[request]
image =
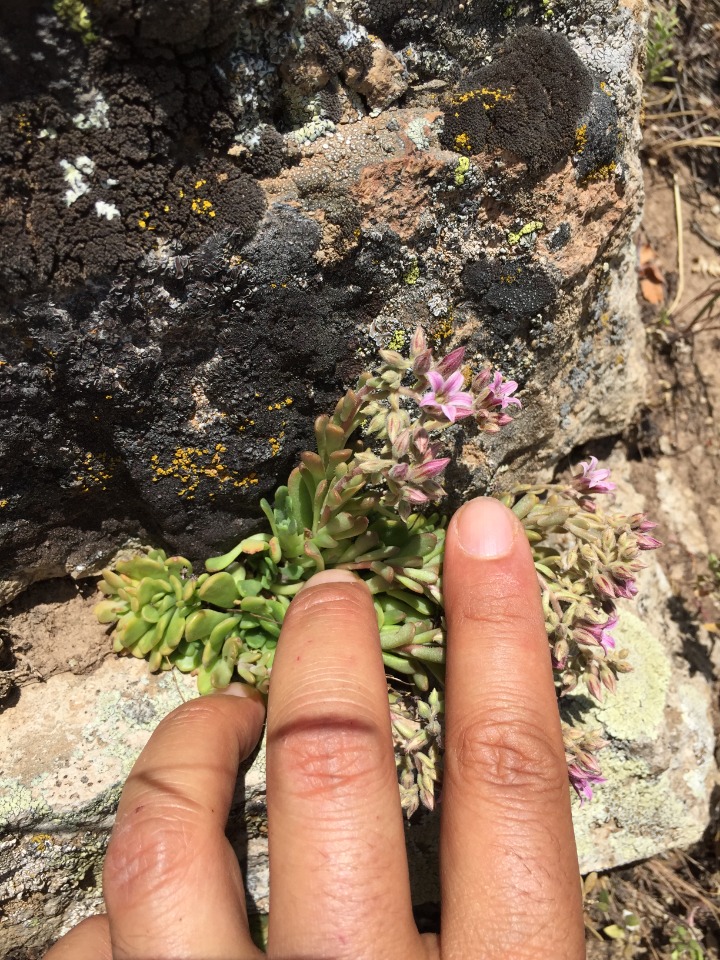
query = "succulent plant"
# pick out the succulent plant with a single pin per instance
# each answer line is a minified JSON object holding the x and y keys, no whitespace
{"x":363,"y":501}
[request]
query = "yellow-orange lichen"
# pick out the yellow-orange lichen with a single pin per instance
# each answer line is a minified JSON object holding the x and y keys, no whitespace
{"x":191,"y":465}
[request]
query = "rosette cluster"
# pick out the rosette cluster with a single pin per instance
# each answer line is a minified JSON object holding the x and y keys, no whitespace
{"x":362,"y":501}
{"x":586,"y":559}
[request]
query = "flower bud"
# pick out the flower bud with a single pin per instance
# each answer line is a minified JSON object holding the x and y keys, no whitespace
{"x":452,"y":362}
{"x":422,"y":363}
{"x":418,"y":344}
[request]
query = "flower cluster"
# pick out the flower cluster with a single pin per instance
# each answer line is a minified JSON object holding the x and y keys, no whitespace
{"x":362,"y":501}
{"x":411,"y":398}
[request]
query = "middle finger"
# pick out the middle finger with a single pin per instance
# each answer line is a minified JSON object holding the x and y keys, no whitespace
{"x":338,"y":868}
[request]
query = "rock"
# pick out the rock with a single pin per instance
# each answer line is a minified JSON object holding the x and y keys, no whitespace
{"x":383,"y":83}
{"x":204,"y":235}
{"x":659,"y":763}
{"x":228,"y":233}
{"x":67,"y":747}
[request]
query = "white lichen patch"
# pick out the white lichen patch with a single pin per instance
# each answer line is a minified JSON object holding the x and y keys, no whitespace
{"x":205,"y":414}
{"x":95,"y":115}
{"x":312,"y":131}
{"x":354,"y":35}
{"x":74,"y":175}
{"x":107,"y":210}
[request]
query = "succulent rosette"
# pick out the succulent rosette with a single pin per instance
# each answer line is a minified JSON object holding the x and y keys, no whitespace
{"x":364,"y":501}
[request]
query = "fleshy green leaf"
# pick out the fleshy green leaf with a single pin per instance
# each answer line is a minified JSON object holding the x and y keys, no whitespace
{"x":220,"y":590}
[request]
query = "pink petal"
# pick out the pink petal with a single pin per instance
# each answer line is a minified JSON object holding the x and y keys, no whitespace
{"x":436,"y":379}
{"x":431,"y":469}
{"x":454,"y":382}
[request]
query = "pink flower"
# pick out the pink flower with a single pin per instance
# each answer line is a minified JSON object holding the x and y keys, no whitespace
{"x":592,"y":480}
{"x":615,"y":586}
{"x":446,"y":396}
{"x":640,"y":525}
{"x":627,"y":589}
{"x":500,"y":391}
{"x":582,"y":781}
{"x":601,"y":632}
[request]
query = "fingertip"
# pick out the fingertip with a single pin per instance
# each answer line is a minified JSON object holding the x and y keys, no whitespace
{"x":330,"y":576}
{"x":484,"y":529}
{"x":89,"y":940}
{"x":243,"y":691}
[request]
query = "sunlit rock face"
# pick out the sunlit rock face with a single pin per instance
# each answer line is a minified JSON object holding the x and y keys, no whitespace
{"x":211,"y":212}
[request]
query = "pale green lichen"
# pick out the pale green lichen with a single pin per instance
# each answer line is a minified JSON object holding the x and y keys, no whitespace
{"x":638,"y":713}
{"x":531,"y":227}
{"x":398,"y":340}
{"x":416,"y":131}
{"x":413,"y":274}
{"x":462,"y":167}
{"x":74,"y":14}
{"x":643,"y":816}
{"x":19,"y":805}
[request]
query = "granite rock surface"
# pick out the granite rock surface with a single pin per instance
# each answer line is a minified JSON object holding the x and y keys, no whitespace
{"x":211,"y":214}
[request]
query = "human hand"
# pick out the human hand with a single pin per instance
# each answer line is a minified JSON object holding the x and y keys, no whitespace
{"x":338,"y":870}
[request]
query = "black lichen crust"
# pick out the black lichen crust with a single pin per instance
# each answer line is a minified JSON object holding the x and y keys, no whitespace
{"x":107,"y":394}
{"x":85,"y":200}
{"x":513,"y":290}
{"x":321,"y":54}
{"x":183,"y":24}
{"x":559,"y":237}
{"x":597,"y":138}
{"x":528,"y":101}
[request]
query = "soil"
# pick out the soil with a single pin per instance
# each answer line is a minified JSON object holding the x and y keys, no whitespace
{"x":49,"y":629}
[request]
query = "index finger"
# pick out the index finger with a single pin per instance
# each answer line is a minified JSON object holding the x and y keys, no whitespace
{"x":509,"y":870}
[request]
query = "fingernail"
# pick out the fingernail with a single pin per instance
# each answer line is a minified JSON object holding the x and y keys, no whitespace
{"x":244,"y":690}
{"x":330,"y":576}
{"x":485,"y":528}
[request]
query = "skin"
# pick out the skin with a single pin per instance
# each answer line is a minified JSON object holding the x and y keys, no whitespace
{"x":338,"y":871}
